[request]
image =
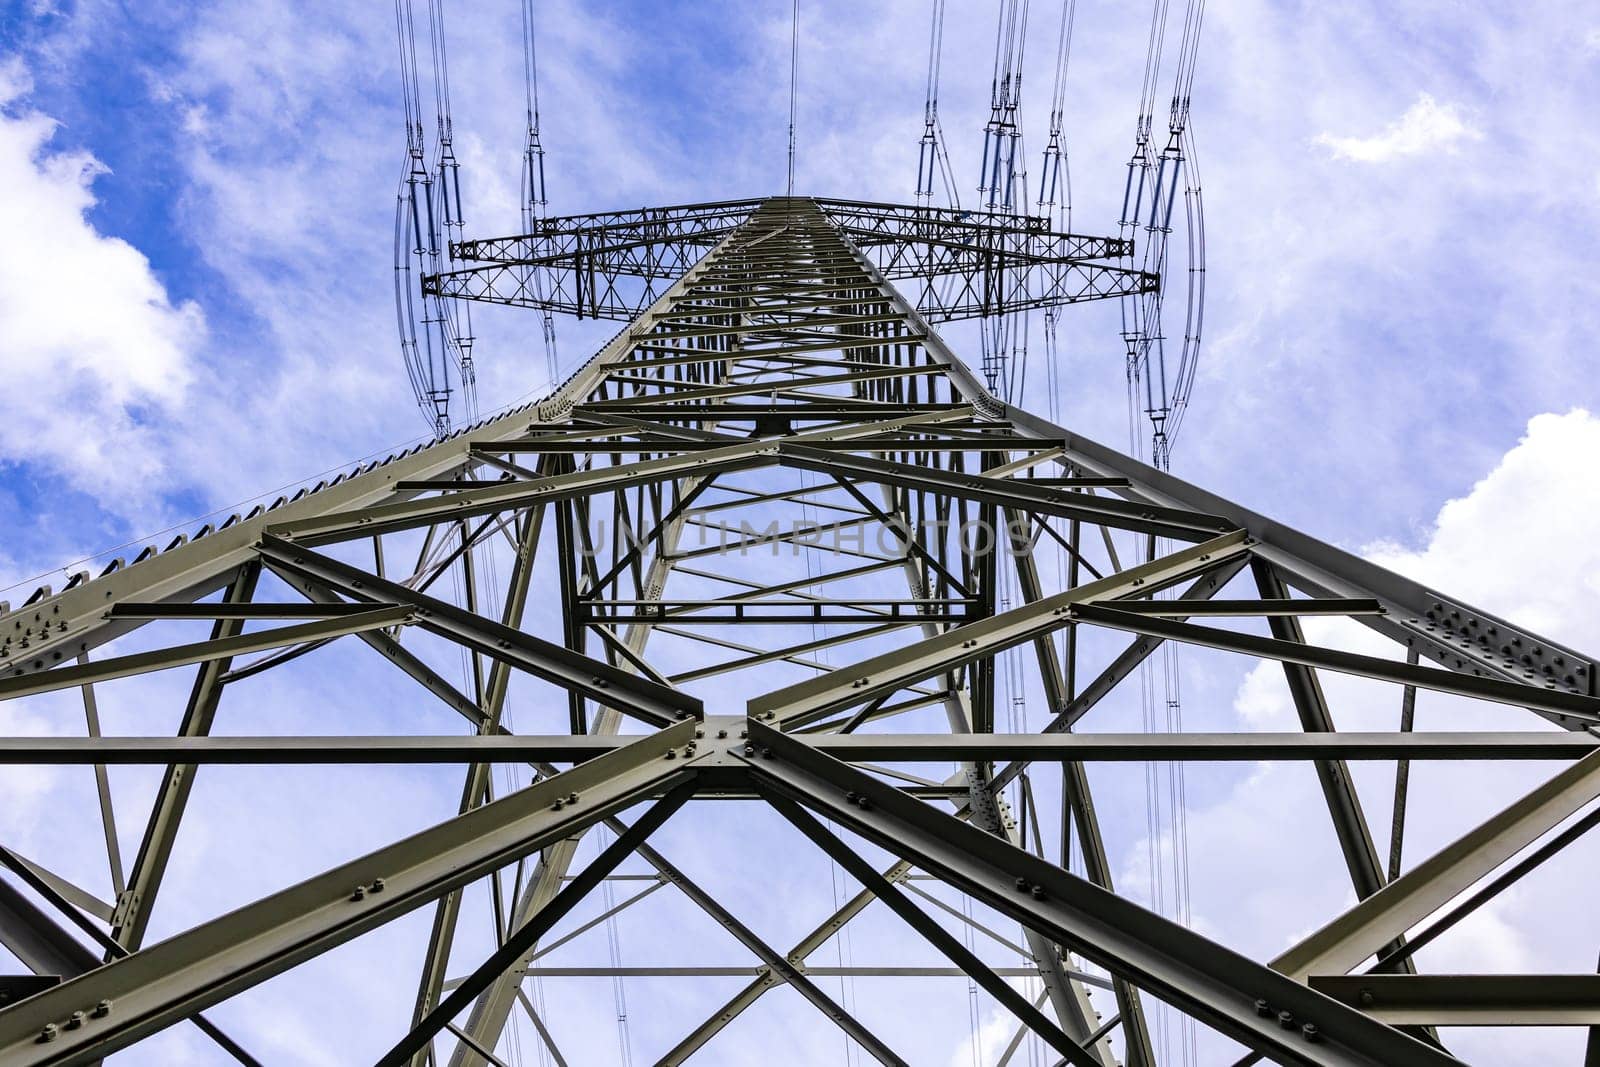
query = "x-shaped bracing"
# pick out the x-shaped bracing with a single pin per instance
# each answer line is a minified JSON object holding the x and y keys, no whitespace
{"x":111,"y":1006}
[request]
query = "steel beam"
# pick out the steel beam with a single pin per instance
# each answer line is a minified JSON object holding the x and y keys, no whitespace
{"x":1182,"y":525}
{"x":162,"y":983}
{"x":222,"y":648}
{"x":161,"y":830}
{"x":1077,"y":797}
{"x":493,"y":1008}
{"x":774,"y":961}
{"x":1338,"y":790}
{"x":931,"y":931}
{"x":1575,"y":706}
{"x":1201,"y":747}
{"x":808,"y":701}
{"x":766,"y":978}
{"x":500,"y":496}
{"x":1214,"y":984}
{"x":526,"y":936}
{"x":1469,"y":999}
{"x":476,"y":789}
{"x":653,"y":703}
{"x":1428,"y":886}
{"x":854,"y":748}
{"x":1067,"y":997}
{"x":38,"y":941}
{"x":813,"y":971}
{"x":289,"y":750}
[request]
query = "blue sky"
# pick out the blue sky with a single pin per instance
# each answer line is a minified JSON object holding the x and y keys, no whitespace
{"x":1399,"y":310}
{"x":1404,"y":216}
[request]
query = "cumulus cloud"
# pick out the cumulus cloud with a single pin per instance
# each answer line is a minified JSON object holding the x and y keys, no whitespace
{"x":1426,"y":126}
{"x":1520,"y":545}
{"x":95,"y":347}
{"x":23,"y":790}
{"x":1541,"y":500}
{"x":988,"y":1042}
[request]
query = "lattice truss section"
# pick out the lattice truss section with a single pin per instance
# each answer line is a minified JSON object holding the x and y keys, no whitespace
{"x":615,"y":265}
{"x":730,"y":573}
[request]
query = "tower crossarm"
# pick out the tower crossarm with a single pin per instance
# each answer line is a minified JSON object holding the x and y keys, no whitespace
{"x":976,"y":263}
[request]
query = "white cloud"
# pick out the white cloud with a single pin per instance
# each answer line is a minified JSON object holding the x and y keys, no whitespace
{"x":1533,"y":515}
{"x":1261,"y":702}
{"x":1519,"y":545}
{"x":1427,"y":125}
{"x":23,"y":790}
{"x":94,"y":345}
{"x":992,"y":1036}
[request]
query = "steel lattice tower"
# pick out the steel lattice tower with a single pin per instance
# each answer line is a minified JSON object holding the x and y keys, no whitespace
{"x":772,"y":384}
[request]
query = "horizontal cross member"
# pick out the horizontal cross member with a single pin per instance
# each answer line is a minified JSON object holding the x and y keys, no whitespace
{"x":791,"y":612}
{"x":1252,"y":608}
{"x":243,"y":610}
{"x":1469,"y":999}
{"x":609,"y":266}
{"x":750,"y":971}
{"x":893,"y":748}
{"x":1202,"y":747}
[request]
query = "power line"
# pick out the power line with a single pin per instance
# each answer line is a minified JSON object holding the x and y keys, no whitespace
{"x":535,"y":197}
{"x":794,"y":76}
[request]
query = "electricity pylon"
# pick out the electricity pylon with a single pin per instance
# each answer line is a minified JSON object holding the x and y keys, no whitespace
{"x":843,"y":627}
